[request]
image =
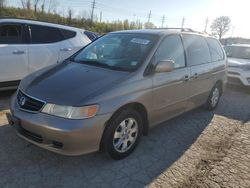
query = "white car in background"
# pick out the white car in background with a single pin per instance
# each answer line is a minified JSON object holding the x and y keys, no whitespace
{"x":238,"y":64}
{"x":27,"y":46}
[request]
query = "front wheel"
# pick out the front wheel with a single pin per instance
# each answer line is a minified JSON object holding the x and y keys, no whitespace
{"x":123,"y":134}
{"x":214,"y":97}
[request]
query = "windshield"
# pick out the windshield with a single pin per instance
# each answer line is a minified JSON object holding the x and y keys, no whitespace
{"x":240,"y":52}
{"x":124,"y":52}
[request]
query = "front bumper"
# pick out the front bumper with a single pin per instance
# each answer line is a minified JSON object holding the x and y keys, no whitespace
{"x":63,"y":136}
{"x":238,"y":76}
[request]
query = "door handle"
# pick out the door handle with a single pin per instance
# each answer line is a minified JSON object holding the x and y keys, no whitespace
{"x":65,"y":49}
{"x":18,"y":52}
{"x":186,"y":78}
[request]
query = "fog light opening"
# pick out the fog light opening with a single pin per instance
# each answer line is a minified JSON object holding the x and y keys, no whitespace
{"x":57,"y":145}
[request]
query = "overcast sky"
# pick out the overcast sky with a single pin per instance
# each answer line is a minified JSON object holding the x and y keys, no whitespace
{"x":195,"y":12}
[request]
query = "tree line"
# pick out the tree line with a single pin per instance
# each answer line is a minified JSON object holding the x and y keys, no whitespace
{"x":45,"y":10}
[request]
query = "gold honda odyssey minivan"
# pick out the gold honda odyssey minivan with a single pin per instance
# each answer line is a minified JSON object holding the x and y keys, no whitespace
{"x":112,"y":91}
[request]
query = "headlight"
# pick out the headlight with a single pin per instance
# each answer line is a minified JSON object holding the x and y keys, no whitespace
{"x":71,"y":112}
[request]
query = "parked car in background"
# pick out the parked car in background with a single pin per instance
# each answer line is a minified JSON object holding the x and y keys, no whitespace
{"x":91,"y":35}
{"x":112,"y":91}
{"x":27,"y":46}
{"x":238,"y":64}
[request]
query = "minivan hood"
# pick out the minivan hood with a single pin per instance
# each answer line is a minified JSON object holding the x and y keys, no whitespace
{"x":237,"y":61}
{"x":70,"y":83}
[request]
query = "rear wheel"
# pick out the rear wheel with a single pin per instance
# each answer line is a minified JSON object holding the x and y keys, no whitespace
{"x":123,"y":134}
{"x":214,"y":97}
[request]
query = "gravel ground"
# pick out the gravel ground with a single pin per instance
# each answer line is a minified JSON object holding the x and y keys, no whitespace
{"x":197,"y":149}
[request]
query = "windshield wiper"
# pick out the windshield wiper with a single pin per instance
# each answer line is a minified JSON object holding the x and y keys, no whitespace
{"x":103,"y":65}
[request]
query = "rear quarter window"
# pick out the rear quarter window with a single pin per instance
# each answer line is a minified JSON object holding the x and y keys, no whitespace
{"x":45,"y":34}
{"x":215,"y":48}
{"x":68,"y":34}
{"x":197,"y":50}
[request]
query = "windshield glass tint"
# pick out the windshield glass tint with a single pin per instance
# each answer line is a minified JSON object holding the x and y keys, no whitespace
{"x":117,"y":51}
{"x":240,"y":52}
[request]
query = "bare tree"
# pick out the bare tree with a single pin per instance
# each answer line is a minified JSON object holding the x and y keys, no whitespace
{"x":52,"y":5}
{"x":2,"y":3}
{"x":149,"y":25}
{"x":26,"y":4}
{"x":35,"y":3}
{"x":43,"y":6}
{"x":69,"y":16}
{"x":221,"y":26}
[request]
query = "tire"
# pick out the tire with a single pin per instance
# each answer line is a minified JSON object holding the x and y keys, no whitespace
{"x":214,"y":97}
{"x":124,"y":129}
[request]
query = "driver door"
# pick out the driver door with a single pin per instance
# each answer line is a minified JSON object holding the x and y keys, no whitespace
{"x":170,"y":88}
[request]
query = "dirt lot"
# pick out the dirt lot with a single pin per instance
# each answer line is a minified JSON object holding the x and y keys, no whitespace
{"x":197,"y":149}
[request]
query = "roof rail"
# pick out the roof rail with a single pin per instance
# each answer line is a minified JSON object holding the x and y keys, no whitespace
{"x":184,"y":30}
{"x":30,"y":19}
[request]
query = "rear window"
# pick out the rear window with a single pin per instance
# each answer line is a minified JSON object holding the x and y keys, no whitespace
{"x":44,"y":34}
{"x":197,"y":50}
{"x":10,"y":34}
{"x":215,"y":49}
{"x":68,"y":34}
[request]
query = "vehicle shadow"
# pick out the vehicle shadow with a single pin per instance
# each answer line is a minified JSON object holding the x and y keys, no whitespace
{"x":166,"y":143}
{"x":23,"y":164}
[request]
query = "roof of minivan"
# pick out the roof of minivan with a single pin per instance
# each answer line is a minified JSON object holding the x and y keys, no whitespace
{"x":43,"y":23}
{"x":161,"y":32}
{"x":239,"y":45}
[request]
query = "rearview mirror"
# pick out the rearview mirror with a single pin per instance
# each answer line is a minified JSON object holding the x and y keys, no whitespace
{"x":164,"y":66}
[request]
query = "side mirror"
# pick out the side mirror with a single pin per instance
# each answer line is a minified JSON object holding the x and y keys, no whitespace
{"x":164,"y":66}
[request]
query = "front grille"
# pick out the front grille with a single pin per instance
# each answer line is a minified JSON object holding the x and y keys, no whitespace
{"x":30,"y":135}
{"x":29,"y":103}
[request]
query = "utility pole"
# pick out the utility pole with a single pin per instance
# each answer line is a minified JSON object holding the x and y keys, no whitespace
{"x":149,"y":16}
{"x":134,"y":17}
{"x":183,"y":22}
{"x":206,"y":24}
{"x":162,"y":21}
{"x":100,"y":16}
{"x":93,"y":6}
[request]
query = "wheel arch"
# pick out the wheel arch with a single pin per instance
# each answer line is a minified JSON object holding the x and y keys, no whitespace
{"x":220,"y":83}
{"x":140,"y":108}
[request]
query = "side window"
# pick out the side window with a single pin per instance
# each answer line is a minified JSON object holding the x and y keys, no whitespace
{"x":171,"y":48}
{"x":68,"y":34}
{"x":197,"y":50}
{"x":215,"y":49}
{"x":44,"y":34}
{"x":10,"y":34}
